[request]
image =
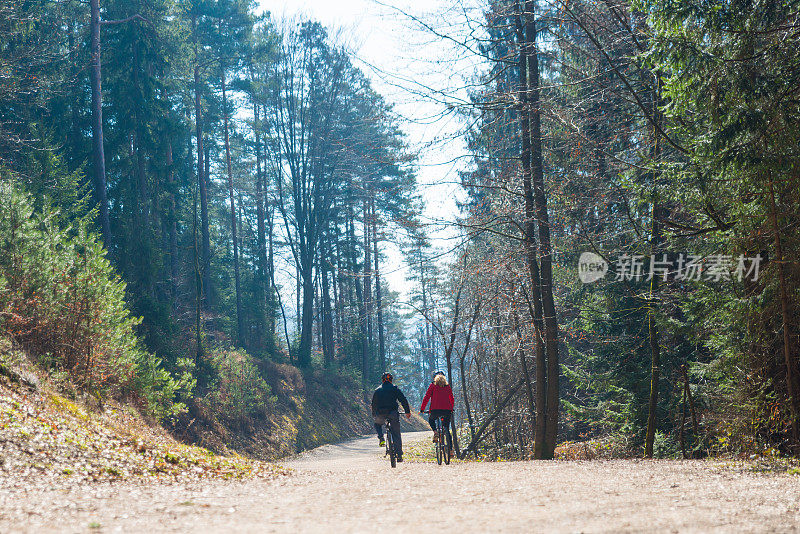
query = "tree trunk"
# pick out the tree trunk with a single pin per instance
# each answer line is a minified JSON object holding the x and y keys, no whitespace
{"x":202,"y":178}
{"x":652,"y":327}
{"x":198,"y":358}
{"x":262,"y":279}
{"x":378,"y":296}
{"x":143,"y":196}
{"x":318,"y":302}
{"x":173,"y":226}
{"x":467,"y":340}
{"x":271,"y":273}
{"x":307,"y":317}
{"x":327,"y":319}
{"x":362,"y":312}
{"x":239,"y":317}
{"x":448,"y":361}
{"x":681,"y":439}
{"x":98,"y":152}
{"x":525,"y":375}
{"x":462,"y":375}
{"x":655,"y":349}
{"x":299,"y":295}
{"x":687,"y":395}
{"x":427,"y":350}
{"x":338,"y":295}
{"x":277,"y":295}
{"x":785,"y":314}
{"x":543,"y":224}
{"x":527,"y":63}
{"x":75,"y":90}
{"x":368,"y":285}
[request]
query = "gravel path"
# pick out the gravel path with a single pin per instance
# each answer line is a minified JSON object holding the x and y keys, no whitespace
{"x":351,"y":488}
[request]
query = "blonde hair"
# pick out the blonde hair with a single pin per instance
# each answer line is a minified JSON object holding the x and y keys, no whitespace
{"x":440,"y":381}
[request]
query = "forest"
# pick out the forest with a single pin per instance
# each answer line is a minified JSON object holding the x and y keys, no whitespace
{"x":196,"y":192}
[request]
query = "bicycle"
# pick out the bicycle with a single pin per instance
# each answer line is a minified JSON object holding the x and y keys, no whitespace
{"x":387,"y":431}
{"x":442,"y":449}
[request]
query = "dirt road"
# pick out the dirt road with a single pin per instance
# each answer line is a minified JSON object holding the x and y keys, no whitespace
{"x":350,"y":488}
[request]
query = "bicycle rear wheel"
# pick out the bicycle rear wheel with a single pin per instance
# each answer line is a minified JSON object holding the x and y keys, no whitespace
{"x":439,"y":442}
{"x":446,"y":452}
{"x":390,"y":448}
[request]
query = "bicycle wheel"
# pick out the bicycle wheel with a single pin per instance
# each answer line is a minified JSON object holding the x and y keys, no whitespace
{"x":439,"y":442}
{"x":446,"y":452}
{"x":390,"y":448}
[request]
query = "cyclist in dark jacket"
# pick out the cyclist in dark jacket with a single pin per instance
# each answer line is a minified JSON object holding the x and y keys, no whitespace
{"x":384,"y":406}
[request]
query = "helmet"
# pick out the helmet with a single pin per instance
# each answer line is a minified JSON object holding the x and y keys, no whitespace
{"x":437,"y":373}
{"x":387,"y":377}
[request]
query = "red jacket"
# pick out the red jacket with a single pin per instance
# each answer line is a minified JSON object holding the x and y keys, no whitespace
{"x":441,"y":398}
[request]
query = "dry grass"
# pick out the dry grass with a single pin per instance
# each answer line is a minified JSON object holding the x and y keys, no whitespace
{"x":43,"y":434}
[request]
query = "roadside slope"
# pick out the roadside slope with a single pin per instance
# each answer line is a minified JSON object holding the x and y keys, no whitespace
{"x":45,"y":436}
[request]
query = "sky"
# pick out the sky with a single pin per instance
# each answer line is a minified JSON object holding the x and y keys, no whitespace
{"x":403,"y":60}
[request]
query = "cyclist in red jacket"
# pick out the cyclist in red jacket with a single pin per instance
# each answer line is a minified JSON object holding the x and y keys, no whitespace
{"x":441,"y":396}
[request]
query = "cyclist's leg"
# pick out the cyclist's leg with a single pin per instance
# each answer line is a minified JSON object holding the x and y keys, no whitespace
{"x":379,"y":426}
{"x":432,"y":423}
{"x":396,"y":437}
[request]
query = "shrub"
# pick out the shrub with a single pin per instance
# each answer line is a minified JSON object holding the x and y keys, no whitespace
{"x":665,"y":446}
{"x":238,"y":392}
{"x":61,"y":301}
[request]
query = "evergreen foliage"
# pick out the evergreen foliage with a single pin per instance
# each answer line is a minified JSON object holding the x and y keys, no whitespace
{"x":62,"y":302}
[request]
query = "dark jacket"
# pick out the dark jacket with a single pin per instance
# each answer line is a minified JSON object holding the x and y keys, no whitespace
{"x":385,"y":399}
